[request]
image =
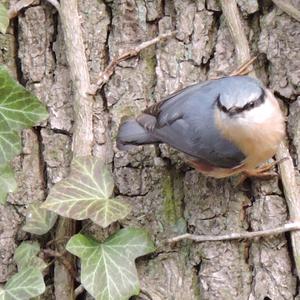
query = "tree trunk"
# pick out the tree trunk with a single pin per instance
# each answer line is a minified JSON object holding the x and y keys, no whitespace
{"x":168,"y":197}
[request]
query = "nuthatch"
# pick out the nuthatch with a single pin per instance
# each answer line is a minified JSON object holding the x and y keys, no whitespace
{"x":226,"y":126}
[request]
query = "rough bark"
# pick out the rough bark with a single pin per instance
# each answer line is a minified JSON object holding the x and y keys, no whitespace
{"x":168,"y":197}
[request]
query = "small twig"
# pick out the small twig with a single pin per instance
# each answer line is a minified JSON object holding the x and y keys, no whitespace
{"x":57,"y":241}
{"x":53,"y":253}
{"x":291,"y":193}
{"x":17,"y":7}
{"x":288,"y":8}
{"x":79,"y":290}
{"x":243,"y":69}
{"x":83,"y":139}
{"x":232,"y":17}
{"x":55,"y":3}
{"x":237,"y":235}
{"x":109,"y":70}
{"x":61,"y":257}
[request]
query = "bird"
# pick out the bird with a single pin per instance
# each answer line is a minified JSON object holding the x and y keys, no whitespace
{"x":224,"y":126}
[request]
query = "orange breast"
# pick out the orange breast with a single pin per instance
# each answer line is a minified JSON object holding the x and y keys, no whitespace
{"x":256,"y":136}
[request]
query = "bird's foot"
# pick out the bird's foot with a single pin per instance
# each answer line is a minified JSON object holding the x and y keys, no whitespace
{"x":260,"y":172}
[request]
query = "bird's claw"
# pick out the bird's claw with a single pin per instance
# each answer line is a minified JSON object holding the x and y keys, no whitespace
{"x":261,"y":172}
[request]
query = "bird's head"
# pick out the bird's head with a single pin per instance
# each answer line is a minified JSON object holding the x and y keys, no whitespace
{"x":243,"y":99}
{"x":248,"y":114}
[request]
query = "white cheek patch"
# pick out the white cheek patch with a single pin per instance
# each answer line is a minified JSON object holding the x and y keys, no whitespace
{"x":260,"y":113}
{"x":256,"y":115}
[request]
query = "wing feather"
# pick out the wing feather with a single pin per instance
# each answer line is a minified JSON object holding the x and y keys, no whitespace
{"x":185,"y":120}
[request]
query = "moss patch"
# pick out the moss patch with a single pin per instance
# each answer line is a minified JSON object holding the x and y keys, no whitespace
{"x":173,"y":197}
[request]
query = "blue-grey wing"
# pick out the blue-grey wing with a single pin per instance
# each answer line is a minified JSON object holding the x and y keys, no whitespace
{"x":186,"y":122}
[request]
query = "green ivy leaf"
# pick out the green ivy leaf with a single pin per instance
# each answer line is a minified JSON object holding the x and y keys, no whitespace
{"x":39,"y":220}
{"x":26,"y":256}
{"x":7,"y":182}
{"x":10,"y":142}
{"x":86,"y":194}
{"x":24,"y":285}
{"x":18,"y":107}
{"x":2,"y":294}
{"x":108,"y":269}
{"x":4,"y":20}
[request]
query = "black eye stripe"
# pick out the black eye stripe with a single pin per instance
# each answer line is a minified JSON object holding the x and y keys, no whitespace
{"x":248,"y":106}
{"x":220,"y":105}
{"x":223,"y":108}
{"x":255,"y":103}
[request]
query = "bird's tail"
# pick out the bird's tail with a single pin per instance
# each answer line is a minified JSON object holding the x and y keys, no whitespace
{"x":131,"y":133}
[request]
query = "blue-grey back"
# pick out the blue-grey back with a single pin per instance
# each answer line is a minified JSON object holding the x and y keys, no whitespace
{"x":186,"y":122}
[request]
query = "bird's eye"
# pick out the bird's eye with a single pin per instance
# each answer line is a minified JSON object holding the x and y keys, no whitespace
{"x":249,"y":105}
{"x":224,"y":109}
